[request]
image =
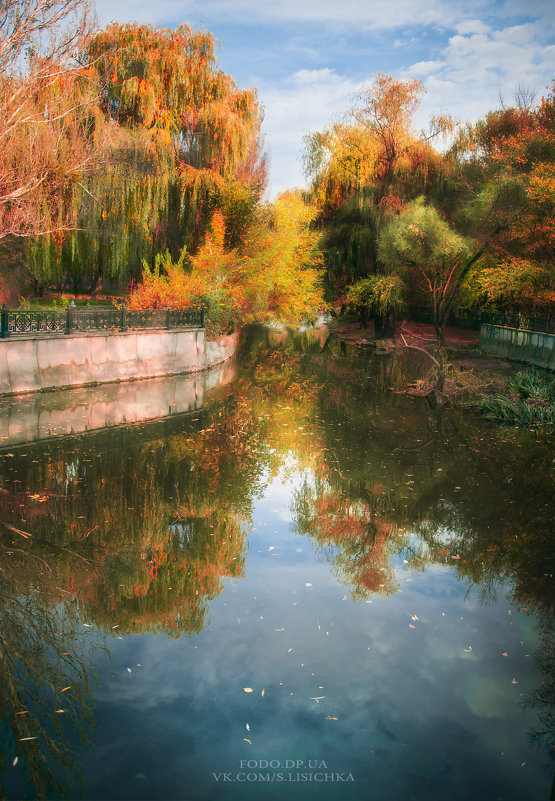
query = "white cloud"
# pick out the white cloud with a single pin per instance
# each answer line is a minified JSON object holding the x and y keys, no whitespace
{"x":472,"y":26}
{"x":305,"y":102}
{"x":479,"y":68}
{"x":423,"y":68}
{"x":379,"y":14}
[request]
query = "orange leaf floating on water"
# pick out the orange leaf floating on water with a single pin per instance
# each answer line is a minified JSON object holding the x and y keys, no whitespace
{"x":411,"y":626}
{"x":262,"y":693}
{"x":247,"y":740}
{"x":330,"y":718}
{"x":248,"y":690}
{"x":65,"y":688}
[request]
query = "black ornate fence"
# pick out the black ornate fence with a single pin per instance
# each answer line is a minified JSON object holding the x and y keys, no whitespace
{"x":463,"y":319}
{"x":71,"y":320}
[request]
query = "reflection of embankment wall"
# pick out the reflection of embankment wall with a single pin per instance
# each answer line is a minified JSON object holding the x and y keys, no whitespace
{"x":55,"y":362}
{"x":530,"y":347}
{"x":47,"y":415}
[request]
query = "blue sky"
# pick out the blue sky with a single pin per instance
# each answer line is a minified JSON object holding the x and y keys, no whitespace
{"x":308,"y":57}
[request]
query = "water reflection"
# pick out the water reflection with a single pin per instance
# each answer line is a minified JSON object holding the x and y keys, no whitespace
{"x":137,"y":530}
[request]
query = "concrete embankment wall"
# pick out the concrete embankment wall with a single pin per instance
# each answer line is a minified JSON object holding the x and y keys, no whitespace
{"x":54,"y":362}
{"x":529,"y":347}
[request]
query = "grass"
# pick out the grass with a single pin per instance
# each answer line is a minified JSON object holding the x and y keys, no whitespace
{"x":528,"y":400}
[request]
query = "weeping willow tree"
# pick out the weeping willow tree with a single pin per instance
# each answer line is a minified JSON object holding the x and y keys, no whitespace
{"x":182,"y":140}
{"x":129,"y":213}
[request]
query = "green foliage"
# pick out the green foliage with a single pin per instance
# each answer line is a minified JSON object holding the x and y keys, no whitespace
{"x":435,"y":257}
{"x":528,"y":400}
{"x":421,"y":240}
{"x":380,"y":295}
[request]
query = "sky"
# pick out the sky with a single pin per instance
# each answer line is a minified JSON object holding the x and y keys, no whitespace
{"x":308,"y":58}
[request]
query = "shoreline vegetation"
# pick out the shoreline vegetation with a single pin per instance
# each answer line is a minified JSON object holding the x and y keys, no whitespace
{"x":502,"y":391}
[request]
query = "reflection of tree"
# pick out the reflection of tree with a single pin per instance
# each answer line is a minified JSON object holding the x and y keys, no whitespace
{"x":147,"y":527}
{"x":542,"y":700}
{"x":44,"y":668}
{"x":356,"y":531}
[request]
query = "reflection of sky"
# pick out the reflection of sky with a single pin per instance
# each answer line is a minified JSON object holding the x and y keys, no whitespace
{"x":429,"y":712}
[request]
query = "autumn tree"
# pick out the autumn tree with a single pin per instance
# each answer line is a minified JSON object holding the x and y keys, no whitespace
{"x":274,"y":276}
{"x":507,"y":170}
{"x":45,"y":113}
{"x":365,"y":168}
{"x":184,"y":140}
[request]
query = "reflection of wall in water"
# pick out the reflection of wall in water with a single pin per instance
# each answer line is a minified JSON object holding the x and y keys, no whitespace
{"x":43,"y":415}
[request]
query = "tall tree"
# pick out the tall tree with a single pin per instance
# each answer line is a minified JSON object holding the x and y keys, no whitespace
{"x":435,"y":255}
{"x":185,"y":140}
{"x":508,"y":173}
{"x":364,"y":169}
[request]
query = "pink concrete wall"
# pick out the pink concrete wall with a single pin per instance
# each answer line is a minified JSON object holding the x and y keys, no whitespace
{"x":55,"y":362}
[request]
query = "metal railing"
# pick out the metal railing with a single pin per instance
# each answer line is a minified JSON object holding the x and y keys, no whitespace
{"x":545,"y":325}
{"x":15,"y":322}
{"x":466,"y":319}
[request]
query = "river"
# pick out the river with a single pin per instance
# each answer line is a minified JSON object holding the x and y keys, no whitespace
{"x":296,"y":582}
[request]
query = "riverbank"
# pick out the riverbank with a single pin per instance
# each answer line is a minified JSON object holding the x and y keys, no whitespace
{"x":462,"y":343}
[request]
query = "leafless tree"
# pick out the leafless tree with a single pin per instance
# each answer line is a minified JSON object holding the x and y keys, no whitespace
{"x":46,"y":111}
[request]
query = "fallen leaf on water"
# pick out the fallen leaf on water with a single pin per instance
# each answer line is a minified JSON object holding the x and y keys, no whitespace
{"x":330,"y":718}
{"x":248,"y":690}
{"x":411,"y":626}
{"x":14,"y":763}
{"x":262,"y":693}
{"x":22,"y":739}
{"x":308,"y":584}
{"x":26,"y":712}
{"x":247,"y":727}
{"x":59,"y":711}
{"x":289,"y":651}
{"x":514,"y":681}
{"x":455,"y":557}
{"x":414,"y":617}
{"x":65,"y":688}
{"x":247,"y":741}
{"x":505,"y":654}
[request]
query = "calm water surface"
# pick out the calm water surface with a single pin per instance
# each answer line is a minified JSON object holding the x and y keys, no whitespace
{"x":304,"y":587}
